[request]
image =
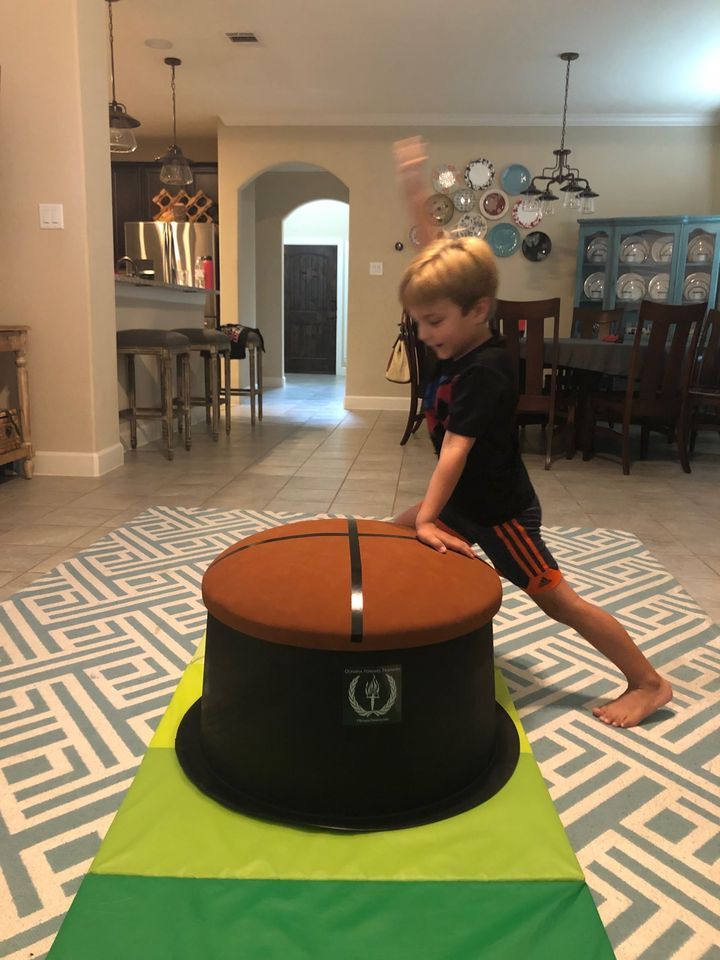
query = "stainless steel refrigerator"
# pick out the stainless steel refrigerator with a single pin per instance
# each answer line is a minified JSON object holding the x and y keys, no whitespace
{"x":172,"y":250}
{"x":173,"y":253}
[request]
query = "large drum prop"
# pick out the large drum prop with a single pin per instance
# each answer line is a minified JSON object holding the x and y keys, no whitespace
{"x":348,"y":680}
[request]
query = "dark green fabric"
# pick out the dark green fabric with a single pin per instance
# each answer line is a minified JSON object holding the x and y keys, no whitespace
{"x":154,"y":918}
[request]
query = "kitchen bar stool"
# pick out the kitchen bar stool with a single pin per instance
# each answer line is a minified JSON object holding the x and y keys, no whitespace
{"x":164,"y":346}
{"x":212,"y":345}
{"x":254,"y":347}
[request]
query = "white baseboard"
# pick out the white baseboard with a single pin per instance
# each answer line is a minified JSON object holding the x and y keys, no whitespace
{"x":66,"y":463}
{"x":377,"y":403}
{"x":273,"y":381}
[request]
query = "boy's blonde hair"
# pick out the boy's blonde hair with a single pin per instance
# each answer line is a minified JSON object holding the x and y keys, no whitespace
{"x":462,"y":270}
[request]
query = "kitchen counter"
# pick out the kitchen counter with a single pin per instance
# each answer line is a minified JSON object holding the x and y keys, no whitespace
{"x":130,"y":290}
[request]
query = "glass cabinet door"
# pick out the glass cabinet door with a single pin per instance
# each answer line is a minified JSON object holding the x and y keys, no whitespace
{"x":597,"y":245}
{"x":695,"y":278}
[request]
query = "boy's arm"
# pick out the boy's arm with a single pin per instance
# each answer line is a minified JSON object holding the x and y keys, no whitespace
{"x":410,"y":167}
{"x":453,"y":455}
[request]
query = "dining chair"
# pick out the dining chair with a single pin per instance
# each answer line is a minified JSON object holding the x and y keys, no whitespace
{"x":700,"y":407}
{"x":592,"y":324}
{"x":539,"y":399}
{"x":422,"y":363}
{"x":652,"y":397}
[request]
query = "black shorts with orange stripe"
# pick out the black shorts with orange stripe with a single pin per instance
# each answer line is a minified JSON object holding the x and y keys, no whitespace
{"x":515,"y":548}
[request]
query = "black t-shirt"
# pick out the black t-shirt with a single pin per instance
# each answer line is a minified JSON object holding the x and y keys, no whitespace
{"x":476,"y":396}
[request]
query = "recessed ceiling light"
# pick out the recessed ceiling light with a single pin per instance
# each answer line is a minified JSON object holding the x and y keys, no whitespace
{"x":158,"y":44}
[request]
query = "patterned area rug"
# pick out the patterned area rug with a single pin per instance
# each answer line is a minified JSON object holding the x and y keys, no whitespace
{"x":92,"y":652}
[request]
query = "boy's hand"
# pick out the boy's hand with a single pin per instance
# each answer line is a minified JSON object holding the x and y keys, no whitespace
{"x":410,"y":158}
{"x":433,"y":536}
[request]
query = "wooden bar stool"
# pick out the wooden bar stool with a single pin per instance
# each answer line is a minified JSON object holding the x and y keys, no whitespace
{"x":254,"y":347}
{"x":212,"y":346}
{"x":164,"y":346}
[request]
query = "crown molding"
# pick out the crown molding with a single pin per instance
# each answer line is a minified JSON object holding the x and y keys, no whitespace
{"x":482,"y":120}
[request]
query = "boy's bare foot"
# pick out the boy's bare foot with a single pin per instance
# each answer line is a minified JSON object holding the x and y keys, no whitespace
{"x":635,"y":705}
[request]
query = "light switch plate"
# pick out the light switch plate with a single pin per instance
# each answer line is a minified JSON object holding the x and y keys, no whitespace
{"x":376,"y":268}
{"x":51,"y":216}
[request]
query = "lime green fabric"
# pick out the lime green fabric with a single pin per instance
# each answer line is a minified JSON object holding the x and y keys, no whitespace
{"x":167,"y":827}
{"x":117,"y":918}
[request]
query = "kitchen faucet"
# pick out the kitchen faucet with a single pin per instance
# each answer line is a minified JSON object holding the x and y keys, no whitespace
{"x":133,"y":271}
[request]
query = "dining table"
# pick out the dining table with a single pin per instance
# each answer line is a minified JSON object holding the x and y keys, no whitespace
{"x":598,"y":356}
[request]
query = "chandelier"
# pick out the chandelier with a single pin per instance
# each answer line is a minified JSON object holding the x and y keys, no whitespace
{"x":578,"y":194}
{"x":122,"y":138}
{"x":175,"y":170}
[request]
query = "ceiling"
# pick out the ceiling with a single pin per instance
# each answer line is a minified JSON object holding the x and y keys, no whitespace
{"x":418,"y":62}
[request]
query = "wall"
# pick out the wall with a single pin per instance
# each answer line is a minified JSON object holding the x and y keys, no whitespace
{"x":276,"y":195}
{"x":325,"y":222}
{"x":643,"y":171}
{"x":53,"y":117}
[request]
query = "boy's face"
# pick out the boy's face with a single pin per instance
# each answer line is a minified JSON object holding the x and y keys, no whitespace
{"x":448,"y":331}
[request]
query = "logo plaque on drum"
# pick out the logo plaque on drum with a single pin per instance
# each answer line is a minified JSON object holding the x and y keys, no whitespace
{"x":372,"y":695}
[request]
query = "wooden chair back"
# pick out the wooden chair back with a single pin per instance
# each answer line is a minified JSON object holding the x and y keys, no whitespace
{"x":590,"y":323}
{"x":535,"y":397}
{"x":706,"y":367}
{"x":537,"y":390}
{"x":422,"y":363}
{"x":666,"y":358}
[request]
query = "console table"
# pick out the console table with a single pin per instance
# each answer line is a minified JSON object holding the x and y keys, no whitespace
{"x":14,"y":340}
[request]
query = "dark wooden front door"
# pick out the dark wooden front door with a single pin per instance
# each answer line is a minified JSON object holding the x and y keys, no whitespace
{"x":310,"y":308}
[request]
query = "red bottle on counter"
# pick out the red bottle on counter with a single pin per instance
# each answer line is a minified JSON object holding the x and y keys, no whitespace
{"x":209,"y":271}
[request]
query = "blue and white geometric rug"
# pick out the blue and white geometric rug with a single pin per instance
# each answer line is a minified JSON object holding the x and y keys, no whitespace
{"x":91,"y":653}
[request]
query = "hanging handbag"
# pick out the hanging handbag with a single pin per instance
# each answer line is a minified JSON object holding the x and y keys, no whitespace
{"x":398,"y":367}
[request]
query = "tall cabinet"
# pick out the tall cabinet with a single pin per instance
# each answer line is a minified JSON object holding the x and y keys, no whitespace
{"x":622,"y":261}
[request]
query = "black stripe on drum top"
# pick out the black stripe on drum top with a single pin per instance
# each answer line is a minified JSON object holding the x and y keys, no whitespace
{"x":356,"y":592}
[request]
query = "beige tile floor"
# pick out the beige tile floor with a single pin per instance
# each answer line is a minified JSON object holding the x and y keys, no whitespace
{"x":311,"y":455}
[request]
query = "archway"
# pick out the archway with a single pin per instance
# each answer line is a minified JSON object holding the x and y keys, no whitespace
{"x":317,"y":232}
{"x":263,"y":204}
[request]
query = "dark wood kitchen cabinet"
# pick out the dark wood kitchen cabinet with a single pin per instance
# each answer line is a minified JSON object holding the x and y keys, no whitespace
{"x":135,"y":184}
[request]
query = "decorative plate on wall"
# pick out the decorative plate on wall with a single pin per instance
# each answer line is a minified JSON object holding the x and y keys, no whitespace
{"x":525,"y":218}
{"x":504,"y":239}
{"x":470,"y":225}
{"x":494,"y":204}
{"x":515,"y":178}
{"x":536,"y":246}
{"x":479,"y":174}
{"x":439,"y":208}
{"x":446,"y":178}
{"x":463,"y":199}
{"x":414,"y":235}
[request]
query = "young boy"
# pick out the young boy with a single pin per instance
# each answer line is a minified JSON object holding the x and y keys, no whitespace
{"x":480,"y":488}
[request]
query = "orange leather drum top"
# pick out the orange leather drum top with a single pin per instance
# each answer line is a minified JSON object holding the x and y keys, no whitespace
{"x":348,"y":585}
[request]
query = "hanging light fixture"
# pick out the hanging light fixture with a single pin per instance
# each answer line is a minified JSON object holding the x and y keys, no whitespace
{"x":578,"y":193}
{"x":175,"y":170}
{"x":122,"y":138}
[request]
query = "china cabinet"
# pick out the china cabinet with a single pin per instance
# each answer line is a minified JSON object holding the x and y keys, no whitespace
{"x":622,"y":261}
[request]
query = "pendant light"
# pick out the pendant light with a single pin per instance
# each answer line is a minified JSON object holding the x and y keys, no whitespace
{"x":578,"y":193}
{"x":122,"y":138}
{"x":175,"y":170}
